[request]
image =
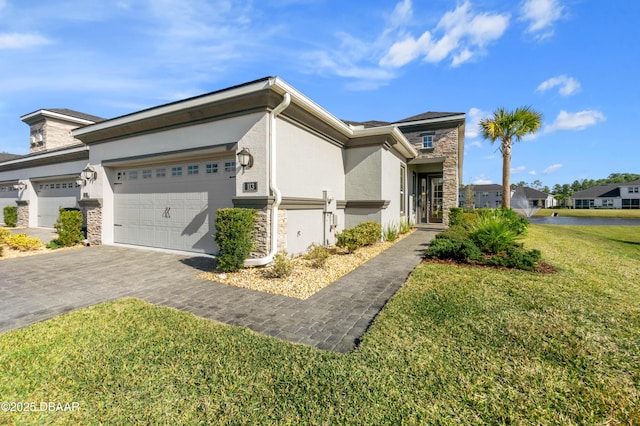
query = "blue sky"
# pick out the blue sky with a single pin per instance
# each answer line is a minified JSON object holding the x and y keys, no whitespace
{"x":576,"y":61}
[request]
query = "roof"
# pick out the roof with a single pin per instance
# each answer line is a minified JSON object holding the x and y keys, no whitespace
{"x":428,"y":116}
{"x":530,"y":193}
{"x":5,"y":156}
{"x":606,"y":190}
{"x":76,"y":114}
{"x":486,"y":187}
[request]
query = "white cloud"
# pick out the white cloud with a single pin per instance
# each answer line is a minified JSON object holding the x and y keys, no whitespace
{"x":22,"y":40}
{"x":401,"y":14}
{"x":476,"y":144}
{"x":532,"y":172}
{"x":552,"y":168}
{"x":471,"y":129}
{"x":482,"y":180}
{"x":575,"y":120}
{"x":464,"y":34}
{"x":518,"y":169}
{"x":541,"y":16}
{"x":567,"y":85}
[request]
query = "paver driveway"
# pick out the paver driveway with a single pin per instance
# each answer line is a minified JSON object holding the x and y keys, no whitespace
{"x":41,"y":287}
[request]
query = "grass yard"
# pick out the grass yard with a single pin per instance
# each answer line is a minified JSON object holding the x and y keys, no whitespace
{"x":612,"y":213}
{"x":455,"y":345}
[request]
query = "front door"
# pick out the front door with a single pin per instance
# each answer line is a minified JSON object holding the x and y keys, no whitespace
{"x":423,"y":200}
{"x":436,"y":204}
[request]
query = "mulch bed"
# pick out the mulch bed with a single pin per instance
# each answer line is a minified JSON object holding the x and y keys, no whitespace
{"x":541,"y":267}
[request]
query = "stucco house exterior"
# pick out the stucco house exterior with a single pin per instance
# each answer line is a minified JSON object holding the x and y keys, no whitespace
{"x":156,"y":177}
{"x":609,"y":196}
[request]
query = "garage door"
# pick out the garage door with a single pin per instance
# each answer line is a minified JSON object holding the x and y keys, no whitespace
{"x":172,"y":206}
{"x":8,"y":197}
{"x":52,"y":196}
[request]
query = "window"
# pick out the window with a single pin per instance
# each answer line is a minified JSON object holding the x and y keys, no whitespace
{"x":133,"y":175}
{"x":176,"y":171}
{"x":193,"y":169}
{"x":402,"y":189}
{"x":498,"y":193}
{"x":608,"y":203}
{"x":427,"y":141}
{"x":160,"y":173}
{"x":230,"y":166}
{"x":633,"y":189}
{"x":146,"y":174}
{"x":211,"y":168}
{"x":64,"y":185}
{"x":57,"y":186}
{"x":120,"y":176}
{"x":584,"y":204}
{"x":631,"y":203}
{"x":485,"y":194}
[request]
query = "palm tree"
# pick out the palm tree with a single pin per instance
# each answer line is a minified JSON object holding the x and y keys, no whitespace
{"x":507,"y":125}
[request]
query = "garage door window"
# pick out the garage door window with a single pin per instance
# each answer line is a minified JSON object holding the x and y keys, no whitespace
{"x":230,"y":166}
{"x":176,"y":171}
{"x":212,"y":168}
{"x":192,"y":169}
{"x":133,"y":175}
{"x":160,"y":173}
{"x":146,"y":174}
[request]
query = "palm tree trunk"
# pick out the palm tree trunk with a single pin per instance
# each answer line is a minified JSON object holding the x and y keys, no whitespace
{"x":506,"y":174}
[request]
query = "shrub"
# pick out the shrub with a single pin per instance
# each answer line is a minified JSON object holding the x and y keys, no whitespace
{"x":10,"y":215}
{"x":405,"y":225}
{"x":516,"y":257}
{"x":23,"y":242}
{"x":455,"y":216}
{"x":446,"y":248}
{"x":492,"y":235}
{"x":318,"y":255}
{"x":234,"y":237}
{"x":54,"y":244}
{"x":360,"y":235}
{"x":282,"y":265}
{"x":1,"y":250}
{"x":69,"y":227}
{"x":4,"y":233}
{"x":391,"y":232}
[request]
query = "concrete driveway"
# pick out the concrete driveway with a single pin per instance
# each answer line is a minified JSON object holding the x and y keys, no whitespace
{"x":37,"y":288}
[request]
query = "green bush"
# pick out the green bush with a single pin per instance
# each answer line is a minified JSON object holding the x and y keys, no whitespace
{"x":23,"y":242}
{"x":460,"y":250}
{"x":10,"y":215}
{"x":361,"y":235}
{"x":1,"y":250}
{"x":455,"y":216}
{"x":492,"y":235}
{"x":54,"y":244}
{"x":405,"y":225}
{"x":516,"y":257}
{"x":282,"y":265}
{"x":234,"y":237}
{"x":69,"y":227}
{"x":391,"y":232}
{"x":318,"y":255}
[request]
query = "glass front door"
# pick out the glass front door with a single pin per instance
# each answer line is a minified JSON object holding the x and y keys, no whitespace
{"x":436,"y":199}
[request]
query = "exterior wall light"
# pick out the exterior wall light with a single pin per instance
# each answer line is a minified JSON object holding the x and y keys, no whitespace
{"x":79,"y":181}
{"x":245,"y":159}
{"x":89,"y":174}
{"x":20,"y":186}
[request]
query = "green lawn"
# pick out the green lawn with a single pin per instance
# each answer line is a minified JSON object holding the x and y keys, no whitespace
{"x":612,"y":213}
{"x":456,"y":345}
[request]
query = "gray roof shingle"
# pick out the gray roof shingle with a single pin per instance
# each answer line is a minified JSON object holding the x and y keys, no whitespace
{"x":76,"y":114}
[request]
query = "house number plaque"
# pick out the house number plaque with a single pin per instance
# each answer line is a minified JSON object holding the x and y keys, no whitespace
{"x":250,"y":187}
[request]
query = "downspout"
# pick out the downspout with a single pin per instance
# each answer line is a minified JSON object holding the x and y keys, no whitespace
{"x":272,"y":185}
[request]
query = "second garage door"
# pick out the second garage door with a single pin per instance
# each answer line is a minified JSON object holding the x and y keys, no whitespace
{"x":52,"y":196}
{"x":172,"y":206}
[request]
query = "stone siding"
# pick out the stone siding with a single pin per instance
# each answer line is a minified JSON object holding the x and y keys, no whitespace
{"x":262,"y":233}
{"x":94,"y":225}
{"x":23,"y":215}
{"x":55,"y":134}
{"x":445,"y":144}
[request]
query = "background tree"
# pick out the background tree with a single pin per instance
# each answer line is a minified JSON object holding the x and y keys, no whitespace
{"x":507,"y":126}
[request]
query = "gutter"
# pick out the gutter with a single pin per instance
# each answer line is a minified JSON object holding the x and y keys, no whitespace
{"x":272,"y":185}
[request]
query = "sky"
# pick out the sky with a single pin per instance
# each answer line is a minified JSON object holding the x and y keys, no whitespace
{"x":575,"y":61}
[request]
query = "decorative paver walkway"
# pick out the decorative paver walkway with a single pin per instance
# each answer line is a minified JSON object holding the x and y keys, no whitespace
{"x":37,"y":288}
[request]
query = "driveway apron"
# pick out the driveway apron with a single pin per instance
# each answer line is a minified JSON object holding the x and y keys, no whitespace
{"x":37,"y":288}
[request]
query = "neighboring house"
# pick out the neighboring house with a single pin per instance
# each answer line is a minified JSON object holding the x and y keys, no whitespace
{"x":532,"y":197}
{"x":609,"y":196}
{"x":156,"y":177}
{"x":484,"y":196}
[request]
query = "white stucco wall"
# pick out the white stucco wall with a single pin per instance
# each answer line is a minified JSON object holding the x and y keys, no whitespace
{"x":50,"y":172}
{"x":248,"y":131}
{"x":390,"y":183}
{"x":362,"y":167}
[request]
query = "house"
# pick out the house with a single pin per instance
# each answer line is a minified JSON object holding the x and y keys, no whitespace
{"x":482,"y":196}
{"x":609,"y":196}
{"x":156,"y":177}
{"x":525,"y":197}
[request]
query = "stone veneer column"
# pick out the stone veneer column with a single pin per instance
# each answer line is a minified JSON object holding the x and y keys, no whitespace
{"x":450,"y":187}
{"x":262,"y":233}
{"x":93,"y":216}
{"x":23,"y":213}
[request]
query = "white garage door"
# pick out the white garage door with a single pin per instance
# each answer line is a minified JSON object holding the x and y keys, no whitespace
{"x":172,"y":206}
{"x":52,"y":196}
{"x":8,"y":197}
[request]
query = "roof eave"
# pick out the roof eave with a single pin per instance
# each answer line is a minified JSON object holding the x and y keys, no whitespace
{"x":46,"y":113}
